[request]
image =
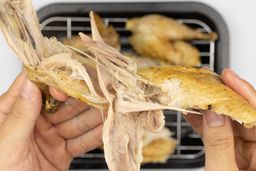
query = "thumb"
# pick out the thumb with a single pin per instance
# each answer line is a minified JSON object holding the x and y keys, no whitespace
{"x":20,"y":121}
{"x":219,"y":143}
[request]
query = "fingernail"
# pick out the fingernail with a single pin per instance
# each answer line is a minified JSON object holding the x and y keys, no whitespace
{"x":28,"y":89}
{"x":214,"y":120}
{"x":234,"y":74}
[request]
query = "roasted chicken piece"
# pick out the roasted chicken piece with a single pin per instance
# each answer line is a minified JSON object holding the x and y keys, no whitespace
{"x":192,"y":88}
{"x":177,"y":53}
{"x":157,"y":147}
{"x":162,"y":37}
{"x":142,"y":61}
{"x":166,"y":28}
{"x":108,"y":80}
{"x":108,"y":34}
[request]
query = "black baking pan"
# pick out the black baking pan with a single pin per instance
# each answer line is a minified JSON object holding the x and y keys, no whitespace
{"x":177,"y":10}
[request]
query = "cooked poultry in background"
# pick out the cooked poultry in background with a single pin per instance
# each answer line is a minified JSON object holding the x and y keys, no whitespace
{"x":134,"y":102}
{"x":108,"y":34}
{"x":166,"y":27}
{"x":157,"y":147}
{"x":177,"y":53}
{"x":142,"y":61}
{"x":162,"y":37}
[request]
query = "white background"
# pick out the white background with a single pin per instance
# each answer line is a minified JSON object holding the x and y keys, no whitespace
{"x":238,"y":14}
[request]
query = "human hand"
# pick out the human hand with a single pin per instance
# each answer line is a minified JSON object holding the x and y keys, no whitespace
{"x":30,"y":141}
{"x":228,"y":145}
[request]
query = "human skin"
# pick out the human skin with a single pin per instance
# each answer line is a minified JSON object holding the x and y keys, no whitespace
{"x":228,"y":144}
{"x":35,"y":141}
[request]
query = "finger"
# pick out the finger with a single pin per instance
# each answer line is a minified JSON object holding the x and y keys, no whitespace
{"x":219,"y":143}
{"x":248,"y":134}
{"x":58,"y":95}
{"x":85,"y":142}
{"x":19,"y":124}
{"x":67,"y":110}
{"x":195,"y":121}
{"x":239,"y":85}
{"x":80,"y":124}
{"x":243,"y":88}
{"x":245,"y":154}
{"x":241,"y":158}
{"x":42,"y":124}
{"x":250,"y":155}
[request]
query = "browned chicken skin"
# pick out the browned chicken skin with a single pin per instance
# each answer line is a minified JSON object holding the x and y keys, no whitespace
{"x":177,"y":53}
{"x":161,"y":37}
{"x":166,"y":28}
{"x":157,"y":147}
{"x":192,"y":88}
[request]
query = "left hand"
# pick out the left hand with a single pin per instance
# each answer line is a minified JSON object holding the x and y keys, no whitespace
{"x":229,"y":146}
{"x":31,"y":141}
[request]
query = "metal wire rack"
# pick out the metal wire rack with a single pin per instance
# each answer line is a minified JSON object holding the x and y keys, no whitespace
{"x":189,"y":145}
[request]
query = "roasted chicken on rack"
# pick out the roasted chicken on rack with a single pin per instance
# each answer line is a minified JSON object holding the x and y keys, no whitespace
{"x":106,"y":79}
{"x":108,"y":34}
{"x":164,"y":38}
{"x":157,"y":147}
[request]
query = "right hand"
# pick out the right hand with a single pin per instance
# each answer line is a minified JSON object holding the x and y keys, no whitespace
{"x":229,"y":146}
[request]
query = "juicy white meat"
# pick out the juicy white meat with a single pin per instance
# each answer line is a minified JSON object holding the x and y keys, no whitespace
{"x":122,"y":133}
{"x":78,"y":70}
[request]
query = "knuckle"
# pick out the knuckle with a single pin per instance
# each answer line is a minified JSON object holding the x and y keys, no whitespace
{"x":96,"y":136}
{"x":61,"y":130}
{"x":71,"y":149}
{"x":15,"y":114}
{"x":97,"y":133}
{"x":83,"y":144}
{"x":80,"y":124}
{"x":73,"y":107}
{"x":70,"y":108}
{"x":219,"y":142}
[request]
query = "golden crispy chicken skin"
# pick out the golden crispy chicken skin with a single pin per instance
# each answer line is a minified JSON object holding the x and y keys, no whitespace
{"x":166,"y":28}
{"x":177,"y":53}
{"x":163,"y":38}
{"x":158,"y":150}
{"x":157,"y":147}
{"x":199,"y":89}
